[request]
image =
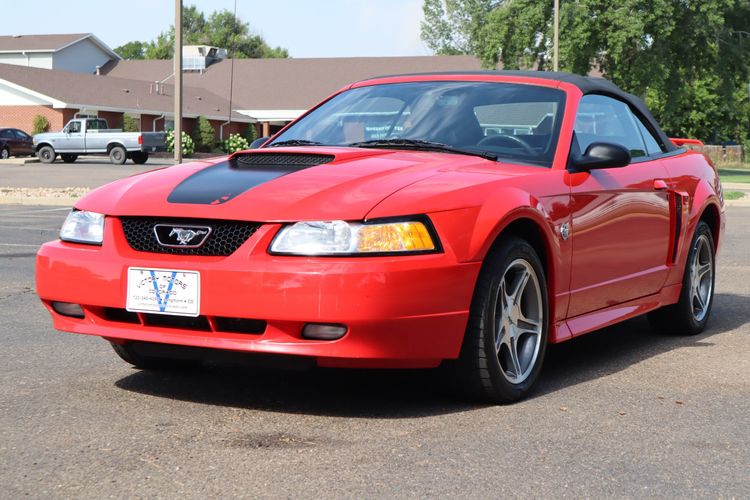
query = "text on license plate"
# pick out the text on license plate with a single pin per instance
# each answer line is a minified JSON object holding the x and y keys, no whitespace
{"x":163,"y":291}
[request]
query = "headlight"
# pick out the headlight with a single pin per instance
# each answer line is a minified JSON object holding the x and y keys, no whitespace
{"x":351,"y":238}
{"x":83,"y":227}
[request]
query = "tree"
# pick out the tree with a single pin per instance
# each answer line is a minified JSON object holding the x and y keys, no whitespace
{"x":205,"y":135}
{"x":131,"y":50}
{"x":40,"y":124}
{"x":690,"y":60}
{"x":222,"y":29}
{"x":130,"y":124}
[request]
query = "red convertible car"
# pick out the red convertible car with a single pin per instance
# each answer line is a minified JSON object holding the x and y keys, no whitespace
{"x":407,"y":221}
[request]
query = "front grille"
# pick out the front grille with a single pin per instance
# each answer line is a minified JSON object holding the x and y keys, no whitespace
{"x":255,"y":160}
{"x":225,"y":237}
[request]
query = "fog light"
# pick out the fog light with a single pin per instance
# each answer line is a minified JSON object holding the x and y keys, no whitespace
{"x":318,"y":331}
{"x":68,"y":309}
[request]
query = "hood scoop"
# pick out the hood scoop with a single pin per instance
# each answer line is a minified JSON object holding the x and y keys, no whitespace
{"x":290,"y":160}
{"x":220,"y":183}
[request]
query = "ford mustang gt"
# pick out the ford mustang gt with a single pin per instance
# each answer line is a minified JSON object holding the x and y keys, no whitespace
{"x":468,"y":219}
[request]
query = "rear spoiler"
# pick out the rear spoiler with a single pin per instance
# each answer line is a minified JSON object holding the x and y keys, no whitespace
{"x":686,"y":142}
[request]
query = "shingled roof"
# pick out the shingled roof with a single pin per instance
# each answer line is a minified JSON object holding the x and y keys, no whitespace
{"x":78,"y":90}
{"x":288,"y":83}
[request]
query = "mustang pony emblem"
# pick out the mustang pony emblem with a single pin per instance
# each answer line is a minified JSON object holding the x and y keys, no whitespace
{"x":168,"y":235}
{"x":185,"y":236}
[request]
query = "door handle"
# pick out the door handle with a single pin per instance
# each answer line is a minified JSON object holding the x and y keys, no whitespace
{"x":660,"y":185}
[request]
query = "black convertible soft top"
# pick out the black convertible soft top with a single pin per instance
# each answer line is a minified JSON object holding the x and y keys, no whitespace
{"x":587,"y":84}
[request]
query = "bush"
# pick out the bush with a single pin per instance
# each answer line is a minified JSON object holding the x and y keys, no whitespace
{"x":41,"y":124}
{"x":251,"y":133}
{"x":204,"y":135}
{"x":188,"y":146}
{"x":235,"y":143}
{"x":130,"y":124}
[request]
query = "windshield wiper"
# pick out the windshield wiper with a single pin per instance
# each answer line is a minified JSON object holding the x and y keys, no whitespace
{"x":424,"y":145}
{"x":296,"y":142}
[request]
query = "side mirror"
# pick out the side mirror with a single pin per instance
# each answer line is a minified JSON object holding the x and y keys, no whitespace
{"x":258,"y":142}
{"x":601,"y":155}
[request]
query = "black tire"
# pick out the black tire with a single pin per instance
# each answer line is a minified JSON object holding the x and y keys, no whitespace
{"x":46,"y":154}
{"x":68,"y":158}
{"x":139,"y":157}
{"x":129,"y":354}
{"x":484,"y":367}
{"x":118,"y":155}
{"x":4,"y":153}
{"x":690,"y":314}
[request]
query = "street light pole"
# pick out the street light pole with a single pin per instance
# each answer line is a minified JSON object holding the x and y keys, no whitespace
{"x":555,"y":50}
{"x":178,"y":81}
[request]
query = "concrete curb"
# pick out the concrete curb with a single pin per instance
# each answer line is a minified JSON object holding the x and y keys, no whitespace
{"x":19,"y":161}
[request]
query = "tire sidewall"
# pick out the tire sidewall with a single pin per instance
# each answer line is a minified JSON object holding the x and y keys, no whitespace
{"x":686,"y":295}
{"x":118,"y":155}
{"x":4,"y":153}
{"x":48,"y":152}
{"x":497,"y":265}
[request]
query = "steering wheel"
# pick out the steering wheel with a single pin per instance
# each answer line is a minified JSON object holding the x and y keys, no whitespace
{"x":497,"y":140}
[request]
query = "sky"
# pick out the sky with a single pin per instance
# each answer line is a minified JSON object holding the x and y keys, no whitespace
{"x":307,"y":28}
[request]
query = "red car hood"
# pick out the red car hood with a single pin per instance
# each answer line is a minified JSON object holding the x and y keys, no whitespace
{"x":347,"y":187}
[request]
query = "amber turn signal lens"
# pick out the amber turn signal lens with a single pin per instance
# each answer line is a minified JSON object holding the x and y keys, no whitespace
{"x":409,"y":236}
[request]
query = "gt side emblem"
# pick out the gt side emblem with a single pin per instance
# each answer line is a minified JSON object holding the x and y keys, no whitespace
{"x":565,"y":231}
{"x":168,"y":235}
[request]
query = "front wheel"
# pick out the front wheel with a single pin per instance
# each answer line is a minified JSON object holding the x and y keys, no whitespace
{"x":118,"y":155}
{"x":46,"y":154}
{"x":690,"y":314}
{"x":506,"y":337}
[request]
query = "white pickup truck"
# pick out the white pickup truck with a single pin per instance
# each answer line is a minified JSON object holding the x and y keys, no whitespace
{"x":84,"y":136}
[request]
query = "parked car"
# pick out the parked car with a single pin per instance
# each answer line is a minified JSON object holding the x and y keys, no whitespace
{"x":14,"y":142}
{"x":83,"y":136}
{"x":406,"y":221}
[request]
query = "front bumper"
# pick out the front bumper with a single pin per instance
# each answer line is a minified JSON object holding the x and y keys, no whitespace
{"x":405,"y":311}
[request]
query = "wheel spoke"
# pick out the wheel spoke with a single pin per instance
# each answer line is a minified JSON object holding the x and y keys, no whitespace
{"x":520,"y":286}
{"x":702,"y":270}
{"x":697,"y":296}
{"x":513,"y":348}
{"x":526,"y":325}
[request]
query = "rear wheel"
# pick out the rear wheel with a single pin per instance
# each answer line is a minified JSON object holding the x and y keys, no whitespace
{"x":68,"y":158}
{"x":139,"y":157}
{"x":118,"y":155}
{"x":46,"y":154}
{"x":4,"y":153}
{"x":690,"y":314}
{"x":506,"y":337}
{"x":130,"y":354}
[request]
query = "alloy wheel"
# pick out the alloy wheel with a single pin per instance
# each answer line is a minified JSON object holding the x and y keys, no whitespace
{"x":701,"y":277}
{"x":519,"y":319}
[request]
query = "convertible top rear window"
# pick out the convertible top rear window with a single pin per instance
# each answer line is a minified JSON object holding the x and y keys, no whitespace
{"x":515,"y":122}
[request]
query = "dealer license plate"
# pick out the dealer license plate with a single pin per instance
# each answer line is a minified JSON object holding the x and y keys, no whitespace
{"x":163,"y":291}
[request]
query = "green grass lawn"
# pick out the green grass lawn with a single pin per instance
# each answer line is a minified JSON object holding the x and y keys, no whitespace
{"x":733,"y":195}
{"x":734,"y":174}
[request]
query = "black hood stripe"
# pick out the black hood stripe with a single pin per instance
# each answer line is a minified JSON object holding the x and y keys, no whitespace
{"x":220,"y":183}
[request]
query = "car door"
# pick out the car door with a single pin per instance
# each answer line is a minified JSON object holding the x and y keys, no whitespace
{"x":25,"y":145}
{"x":72,"y":139}
{"x":620,"y":217}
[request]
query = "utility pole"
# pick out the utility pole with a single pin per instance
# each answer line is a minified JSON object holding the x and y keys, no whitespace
{"x":178,"y":81}
{"x":555,"y":49}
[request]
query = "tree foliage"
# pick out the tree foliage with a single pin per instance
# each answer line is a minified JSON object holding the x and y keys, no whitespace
{"x":220,"y":29}
{"x":689,"y":59}
{"x":205,"y":135}
{"x":130,"y":124}
{"x":40,"y":124}
{"x":132,"y":50}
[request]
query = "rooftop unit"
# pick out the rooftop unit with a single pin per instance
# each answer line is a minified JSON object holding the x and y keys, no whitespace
{"x":200,"y":57}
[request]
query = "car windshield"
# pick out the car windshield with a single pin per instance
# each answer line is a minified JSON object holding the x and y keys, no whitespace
{"x":508,"y":121}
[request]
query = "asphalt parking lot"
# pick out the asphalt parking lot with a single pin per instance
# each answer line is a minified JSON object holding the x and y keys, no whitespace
{"x":624,"y":412}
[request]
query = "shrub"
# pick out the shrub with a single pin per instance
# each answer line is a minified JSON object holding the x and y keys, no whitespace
{"x":204,"y":135}
{"x":251,"y":133}
{"x":188,"y":146}
{"x":41,"y":124}
{"x":130,"y":124}
{"x":235,"y":143}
